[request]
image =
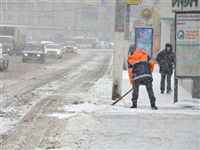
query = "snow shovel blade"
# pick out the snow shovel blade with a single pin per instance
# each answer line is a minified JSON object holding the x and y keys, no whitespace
{"x":122,"y":97}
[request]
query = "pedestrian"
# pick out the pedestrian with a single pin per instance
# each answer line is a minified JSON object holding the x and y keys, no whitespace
{"x":165,"y":60}
{"x":140,"y":69}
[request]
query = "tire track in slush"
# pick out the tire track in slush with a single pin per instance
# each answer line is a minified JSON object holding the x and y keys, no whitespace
{"x":21,"y":106}
{"x":18,"y":90}
{"x":31,"y":129}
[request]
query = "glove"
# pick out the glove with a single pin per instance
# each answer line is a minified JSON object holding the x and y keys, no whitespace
{"x":131,"y":81}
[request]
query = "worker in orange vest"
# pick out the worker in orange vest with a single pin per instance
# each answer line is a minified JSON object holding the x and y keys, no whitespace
{"x":140,"y":68}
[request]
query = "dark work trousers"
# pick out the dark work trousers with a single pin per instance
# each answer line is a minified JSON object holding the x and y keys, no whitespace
{"x":162,"y":83}
{"x":147,"y":81}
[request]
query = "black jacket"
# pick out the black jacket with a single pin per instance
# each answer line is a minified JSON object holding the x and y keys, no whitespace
{"x":165,"y":60}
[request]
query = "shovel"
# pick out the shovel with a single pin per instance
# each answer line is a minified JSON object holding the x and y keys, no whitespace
{"x":122,"y":97}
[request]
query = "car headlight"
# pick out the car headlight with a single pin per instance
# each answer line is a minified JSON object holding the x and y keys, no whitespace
{"x":8,"y":49}
{"x":38,"y":55}
{"x":58,"y":52}
{"x":25,"y":54}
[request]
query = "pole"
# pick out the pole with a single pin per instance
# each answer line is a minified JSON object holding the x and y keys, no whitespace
{"x":126,"y":36}
{"x":175,"y":89}
{"x":75,"y":20}
{"x":127,"y":22}
{"x":118,"y":49}
{"x":175,"y":79}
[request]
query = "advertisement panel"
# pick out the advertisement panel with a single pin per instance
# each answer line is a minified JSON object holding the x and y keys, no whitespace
{"x":188,"y":44}
{"x":144,"y":39}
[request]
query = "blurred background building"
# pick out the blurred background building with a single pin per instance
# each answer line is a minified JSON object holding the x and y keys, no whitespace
{"x":56,"y":19}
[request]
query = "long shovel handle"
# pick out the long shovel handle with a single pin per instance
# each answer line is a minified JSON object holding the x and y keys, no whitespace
{"x":122,"y":97}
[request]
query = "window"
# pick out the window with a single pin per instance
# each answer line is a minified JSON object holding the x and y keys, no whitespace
{"x":89,"y":13}
{"x":10,"y":18}
{"x":52,"y":46}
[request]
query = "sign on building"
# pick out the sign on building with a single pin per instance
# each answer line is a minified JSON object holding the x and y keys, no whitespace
{"x":185,"y":5}
{"x":144,"y":39}
{"x":133,"y":2}
{"x":188,"y":44}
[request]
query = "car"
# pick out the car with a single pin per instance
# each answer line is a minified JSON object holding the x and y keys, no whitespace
{"x":70,"y":49}
{"x":101,"y":45}
{"x":69,"y":46}
{"x":84,"y":42}
{"x":53,"y":51}
{"x":4,"y":58}
{"x":33,"y":52}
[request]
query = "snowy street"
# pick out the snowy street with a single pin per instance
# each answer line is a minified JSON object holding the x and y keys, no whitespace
{"x":99,"y":74}
{"x":83,"y":117}
{"x":28,"y":95}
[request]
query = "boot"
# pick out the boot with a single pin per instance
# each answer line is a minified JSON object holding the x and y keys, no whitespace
{"x":169,"y":91}
{"x":134,"y":105}
{"x":154,"y":107}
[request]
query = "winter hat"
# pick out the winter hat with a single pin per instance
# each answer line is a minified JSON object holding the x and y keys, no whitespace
{"x":131,"y":48}
{"x":168,"y":45}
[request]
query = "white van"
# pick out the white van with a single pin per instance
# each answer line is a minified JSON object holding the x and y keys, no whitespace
{"x":53,"y":50}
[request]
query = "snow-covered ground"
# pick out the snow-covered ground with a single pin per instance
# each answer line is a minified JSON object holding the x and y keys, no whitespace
{"x":99,"y":96}
{"x":102,"y":126}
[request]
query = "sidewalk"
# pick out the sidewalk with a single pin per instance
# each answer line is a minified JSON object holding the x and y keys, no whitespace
{"x":173,"y":126}
{"x":163,"y":101}
{"x":95,"y":124}
{"x":102,"y":91}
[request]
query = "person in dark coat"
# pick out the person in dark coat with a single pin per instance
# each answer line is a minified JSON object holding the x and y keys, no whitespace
{"x":165,"y":60}
{"x":140,"y":69}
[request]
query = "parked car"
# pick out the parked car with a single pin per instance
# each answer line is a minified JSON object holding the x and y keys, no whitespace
{"x":4,"y":58}
{"x":53,"y":51}
{"x":33,"y":52}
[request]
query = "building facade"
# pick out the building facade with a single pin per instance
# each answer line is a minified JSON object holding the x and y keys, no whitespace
{"x":59,"y":18}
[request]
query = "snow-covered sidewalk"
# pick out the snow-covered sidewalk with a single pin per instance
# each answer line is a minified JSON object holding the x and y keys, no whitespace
{"x":101,"y":93}
{"x":98,"y":125}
